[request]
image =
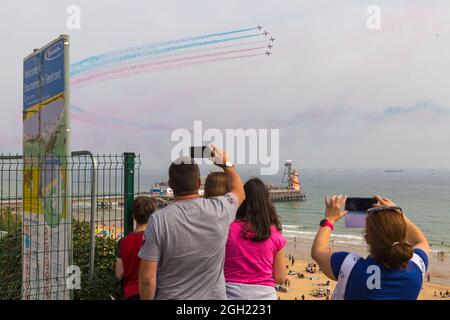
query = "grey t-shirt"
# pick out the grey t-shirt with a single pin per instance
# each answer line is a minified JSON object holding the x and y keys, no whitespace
{"x":188,"y":239}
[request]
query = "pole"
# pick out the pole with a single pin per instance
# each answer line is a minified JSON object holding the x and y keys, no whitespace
{"x":93,"y":207}
{"x":128,"y":190}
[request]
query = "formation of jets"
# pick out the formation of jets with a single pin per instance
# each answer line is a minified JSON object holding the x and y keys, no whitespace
{"x":271,"y":39}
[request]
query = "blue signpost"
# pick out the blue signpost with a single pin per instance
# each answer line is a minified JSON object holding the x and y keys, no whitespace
{"x":44,"y":74}
{"x":46,"y":188}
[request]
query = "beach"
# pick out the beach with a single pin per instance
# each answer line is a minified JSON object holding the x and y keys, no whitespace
{"x":299,"y":249}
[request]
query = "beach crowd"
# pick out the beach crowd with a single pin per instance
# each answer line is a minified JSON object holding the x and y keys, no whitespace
{"x":229,"y":244}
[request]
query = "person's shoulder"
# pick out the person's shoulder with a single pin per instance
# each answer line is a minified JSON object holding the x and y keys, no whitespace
{"x":126,"y":238}
{"x":340,"y":255}
{"x":275,"y":233}
{"x":421,"y":255}
{"x":229,"y":197}
{"x":124,"y":241}
{"x":159,"y":216}
{"x":237,"y":224}
{"x":130,"y":239}
{"x":277,"y":238}
{"x":235,"y":230}
{"x":163,"y":211}
{"x":274,"y":229}
{"x":337,"y":259}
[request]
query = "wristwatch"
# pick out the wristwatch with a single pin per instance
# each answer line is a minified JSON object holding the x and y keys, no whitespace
{"x":227,"y":164}
{"x":326,"y":223}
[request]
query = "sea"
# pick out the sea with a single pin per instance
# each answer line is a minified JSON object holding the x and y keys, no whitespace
{"x":424,"y":196}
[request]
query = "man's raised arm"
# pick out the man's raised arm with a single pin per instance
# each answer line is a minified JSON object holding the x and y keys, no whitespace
{"x":233,"y":179}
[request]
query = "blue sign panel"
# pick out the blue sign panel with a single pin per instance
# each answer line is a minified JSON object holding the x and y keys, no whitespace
{"x":43,"y":74}
{"x":46,"y":223}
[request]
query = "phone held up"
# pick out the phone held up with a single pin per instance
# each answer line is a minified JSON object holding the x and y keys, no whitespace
{"x":357,"y":211}
{"x":200,"y":152}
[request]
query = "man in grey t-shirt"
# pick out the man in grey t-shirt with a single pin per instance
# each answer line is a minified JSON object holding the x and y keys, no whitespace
{"x":184,"y":244}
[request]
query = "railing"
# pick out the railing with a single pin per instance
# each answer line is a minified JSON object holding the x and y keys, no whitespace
{"x":102,"y":188}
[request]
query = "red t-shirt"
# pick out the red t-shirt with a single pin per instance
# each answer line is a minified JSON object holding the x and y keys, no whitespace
{"x":128,"y":252}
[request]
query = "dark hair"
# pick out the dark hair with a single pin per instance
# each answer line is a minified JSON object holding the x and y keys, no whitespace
{"x":386,"y":236}
{"x":257,"y":210}
{"x":216,"y":184}
{"x":143,"y":207}
{"x":184,"y":175}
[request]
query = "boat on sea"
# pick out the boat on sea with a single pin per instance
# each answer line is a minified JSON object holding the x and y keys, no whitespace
{"x":393,"y":170}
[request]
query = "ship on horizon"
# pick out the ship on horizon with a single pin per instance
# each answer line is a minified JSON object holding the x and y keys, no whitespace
{"x":390,"y":170}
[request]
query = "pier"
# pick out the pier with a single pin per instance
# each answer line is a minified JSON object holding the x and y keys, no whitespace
{"x":284,"y":195}
{"x":276,"y":195}
{"x":80,"y":204}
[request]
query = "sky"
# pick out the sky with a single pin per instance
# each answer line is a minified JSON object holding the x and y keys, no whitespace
{"x":340,"y":94}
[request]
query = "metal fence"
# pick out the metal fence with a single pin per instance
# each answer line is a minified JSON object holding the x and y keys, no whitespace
{"x":84,"y":198}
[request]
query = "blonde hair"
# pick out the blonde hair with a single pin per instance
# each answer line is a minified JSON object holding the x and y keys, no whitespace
{"x":216,"y":185}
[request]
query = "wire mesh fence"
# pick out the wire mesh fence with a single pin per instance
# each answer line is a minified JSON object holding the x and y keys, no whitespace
{"x":61,"y":217}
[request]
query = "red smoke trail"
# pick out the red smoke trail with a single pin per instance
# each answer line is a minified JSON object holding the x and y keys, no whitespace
{"x":116,"y":123}
{"x":138,"y":66}
{"x":95,"y":120}
{"x":176,"y":66}
{"x":97,"y":61}
{"x":186,"y":53}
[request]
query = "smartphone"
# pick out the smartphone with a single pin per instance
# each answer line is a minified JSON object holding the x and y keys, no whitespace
{"x":200,"y":152}
{"x":357,"y":211}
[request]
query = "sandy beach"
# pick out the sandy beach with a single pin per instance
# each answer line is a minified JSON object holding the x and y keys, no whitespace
{"x":314,"y":283}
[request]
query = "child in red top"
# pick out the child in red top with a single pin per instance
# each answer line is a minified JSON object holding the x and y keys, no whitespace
{"x":127,"y":264}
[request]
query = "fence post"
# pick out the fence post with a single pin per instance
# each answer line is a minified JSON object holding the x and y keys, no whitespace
{"x":93,"y":207}
{"x":128,"y":190}
{"x":93,"y":215}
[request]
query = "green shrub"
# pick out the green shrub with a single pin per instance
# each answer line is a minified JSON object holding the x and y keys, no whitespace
{"x":102,"y":286}
{"x":11,"y":264}
{"x":8,"y":220}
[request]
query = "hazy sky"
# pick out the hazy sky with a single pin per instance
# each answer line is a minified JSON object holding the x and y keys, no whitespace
{"x":342,"y":95}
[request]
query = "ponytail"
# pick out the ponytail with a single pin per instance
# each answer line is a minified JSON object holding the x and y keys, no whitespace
{"x":396,"y":256}
{"x":386,"y":236}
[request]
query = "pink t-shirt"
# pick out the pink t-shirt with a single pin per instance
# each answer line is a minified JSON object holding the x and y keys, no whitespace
{"x":251,"y":262}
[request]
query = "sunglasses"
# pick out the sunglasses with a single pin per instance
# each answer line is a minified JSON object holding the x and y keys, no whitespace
{"x":381,"y":209}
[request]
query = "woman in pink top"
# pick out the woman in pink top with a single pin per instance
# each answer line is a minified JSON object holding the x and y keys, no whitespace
{"x":254,"y":258}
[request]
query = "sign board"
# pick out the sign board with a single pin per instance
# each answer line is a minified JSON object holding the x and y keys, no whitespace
{"x":46,"y":244}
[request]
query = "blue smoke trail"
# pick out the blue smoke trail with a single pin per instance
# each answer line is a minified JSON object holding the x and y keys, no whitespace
{"x":141,"y":54}
{"x":201,"y":49}
{"x":97,"y":58}
{"x":420,"y":106}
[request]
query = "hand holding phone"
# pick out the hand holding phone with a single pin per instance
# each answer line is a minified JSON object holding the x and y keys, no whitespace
{"x":333,"y":208}
{"x":219,"y":156}
{"x":357,"y":211}
{"x":200,"y":152}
